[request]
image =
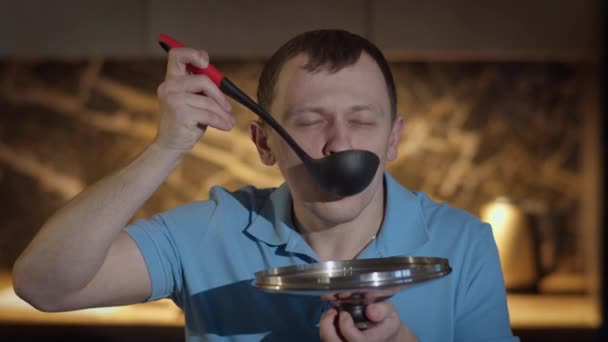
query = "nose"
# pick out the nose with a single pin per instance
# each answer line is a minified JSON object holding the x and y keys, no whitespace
{"x":338,"y":138}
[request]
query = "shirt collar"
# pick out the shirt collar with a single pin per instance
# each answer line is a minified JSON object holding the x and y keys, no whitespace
{"x":403,"y":229}
{"x":275,"y":213}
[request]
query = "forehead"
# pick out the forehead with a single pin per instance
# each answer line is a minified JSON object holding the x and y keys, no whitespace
{"x":361,"y":83}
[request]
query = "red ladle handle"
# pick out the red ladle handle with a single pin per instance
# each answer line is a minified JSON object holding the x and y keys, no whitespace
{"x":210,"y":71}
{"x":230,"y":89}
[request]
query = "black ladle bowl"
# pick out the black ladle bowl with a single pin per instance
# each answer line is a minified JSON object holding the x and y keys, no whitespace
{"x":344,"y":173}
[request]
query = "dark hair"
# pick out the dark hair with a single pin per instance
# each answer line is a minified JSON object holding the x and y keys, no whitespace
{"x":332,"y":50}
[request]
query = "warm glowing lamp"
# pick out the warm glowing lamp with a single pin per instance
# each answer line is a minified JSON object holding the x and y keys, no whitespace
{"x":514,"y":241}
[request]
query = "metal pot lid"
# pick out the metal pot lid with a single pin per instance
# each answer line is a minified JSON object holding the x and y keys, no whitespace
{"x":352,"y":275}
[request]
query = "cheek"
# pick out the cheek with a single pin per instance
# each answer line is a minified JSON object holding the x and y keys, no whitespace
{"x":376,"y":141}
{"x":282,"y":152}
{"x":310,"y":140}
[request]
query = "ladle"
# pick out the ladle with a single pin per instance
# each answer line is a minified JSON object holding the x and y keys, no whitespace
{"x":343,"y":173}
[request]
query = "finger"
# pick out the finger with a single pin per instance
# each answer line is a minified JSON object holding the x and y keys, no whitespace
{"x":377,"y":312}
{"x":204,"y":102}
{"x":186,"y":108}
{"x":179,"y":58}
{"x":209,"y":113}
{"x":348,"y":329}
{"x":388,"y":323}
{"x":194,"y":84}
{"x":211,"y":119}
{"x":327,"y":327}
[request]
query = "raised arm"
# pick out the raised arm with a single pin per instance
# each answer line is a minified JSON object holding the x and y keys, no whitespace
{"x":80,"y":258}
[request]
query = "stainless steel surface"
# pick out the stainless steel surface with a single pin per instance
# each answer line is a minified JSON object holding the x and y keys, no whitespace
{"x":356,"y":274}
{"x":353,"y":284}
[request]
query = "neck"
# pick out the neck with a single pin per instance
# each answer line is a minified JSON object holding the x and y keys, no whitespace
{"x":341,"y":240}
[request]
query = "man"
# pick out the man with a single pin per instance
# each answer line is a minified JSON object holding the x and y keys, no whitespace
{"x":332,"y":91}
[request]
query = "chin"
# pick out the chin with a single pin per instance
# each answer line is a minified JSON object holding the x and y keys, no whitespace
{"x":337,"y":210}
{"x":331,"y":208}
{"x":342,"y":211}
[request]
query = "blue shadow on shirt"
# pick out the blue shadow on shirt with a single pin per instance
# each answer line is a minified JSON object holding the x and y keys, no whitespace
{"x":241,"y":309}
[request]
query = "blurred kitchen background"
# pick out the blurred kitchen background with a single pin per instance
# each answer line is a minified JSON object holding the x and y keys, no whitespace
{"x":503,"y":103}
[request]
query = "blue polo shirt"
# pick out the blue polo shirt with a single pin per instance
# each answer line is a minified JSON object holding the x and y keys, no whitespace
{"x":203,"y":255}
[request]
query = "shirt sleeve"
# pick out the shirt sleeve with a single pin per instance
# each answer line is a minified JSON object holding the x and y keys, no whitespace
{"x":158,"y":247}
{"x":482,"y":313}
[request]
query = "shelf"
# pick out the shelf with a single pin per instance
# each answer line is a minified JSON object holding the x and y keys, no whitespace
{"x":526,"y":311}
{"x":554,"y":311}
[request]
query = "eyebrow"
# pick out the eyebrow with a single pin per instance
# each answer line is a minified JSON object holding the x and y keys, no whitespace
{"x":360,"y":108}
{"x":320,"y":110}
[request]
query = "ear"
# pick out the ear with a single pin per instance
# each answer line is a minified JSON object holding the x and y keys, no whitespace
{"x":258,"y":135}
{"x":394,"y":138}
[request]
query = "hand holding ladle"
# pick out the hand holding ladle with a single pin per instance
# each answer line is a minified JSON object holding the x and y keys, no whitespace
{"x":344,"y":173}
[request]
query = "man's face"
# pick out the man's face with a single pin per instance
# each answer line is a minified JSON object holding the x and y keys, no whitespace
{"x":326,"y":113}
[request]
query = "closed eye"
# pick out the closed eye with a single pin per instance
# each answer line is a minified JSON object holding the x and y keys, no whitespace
{"x":308,"y":119}
{"x":306,"y":123}
{"x":363,"y":122}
